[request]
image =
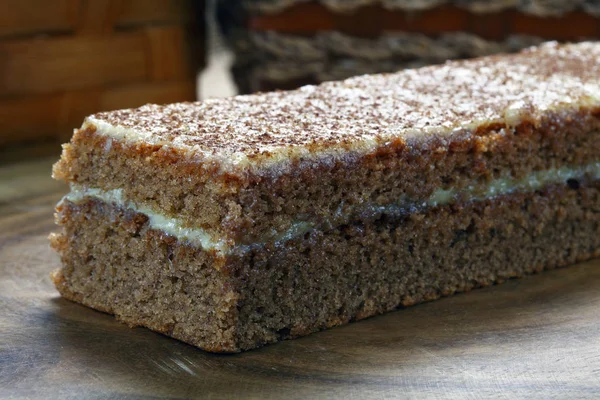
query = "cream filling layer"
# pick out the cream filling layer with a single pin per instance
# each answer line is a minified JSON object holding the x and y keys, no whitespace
{"x":171,"y":225}
{"x":534,"y":181}
{"x":175,"y":226}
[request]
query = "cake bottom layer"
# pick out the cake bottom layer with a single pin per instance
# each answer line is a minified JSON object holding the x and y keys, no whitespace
{"x":115,"y":262}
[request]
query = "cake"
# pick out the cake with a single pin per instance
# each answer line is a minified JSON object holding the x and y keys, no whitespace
{"x":233,"y":223}
{"x":283,"y":44}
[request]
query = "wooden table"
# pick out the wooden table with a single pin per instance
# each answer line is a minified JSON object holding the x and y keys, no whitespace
{"x":537,"y":337}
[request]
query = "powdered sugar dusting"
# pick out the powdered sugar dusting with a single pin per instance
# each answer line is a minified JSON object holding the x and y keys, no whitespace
{"x":361,"y":113}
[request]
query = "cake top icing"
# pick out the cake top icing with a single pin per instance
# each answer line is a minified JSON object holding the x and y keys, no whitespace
{"x":361,"y":113}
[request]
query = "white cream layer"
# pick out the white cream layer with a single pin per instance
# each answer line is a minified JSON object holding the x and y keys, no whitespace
{"x":175,"y":226}
{"x":170,"y":225}
{"x":534,"y":181}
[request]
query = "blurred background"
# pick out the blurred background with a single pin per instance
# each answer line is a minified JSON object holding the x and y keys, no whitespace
{"x":61,"y":60}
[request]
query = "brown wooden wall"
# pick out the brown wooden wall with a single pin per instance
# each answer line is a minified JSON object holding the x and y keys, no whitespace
{"x":61,"y":60}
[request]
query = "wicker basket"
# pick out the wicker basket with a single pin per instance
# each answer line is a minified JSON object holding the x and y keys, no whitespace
{"x":63,"y":59}
{"x":283,"y":44}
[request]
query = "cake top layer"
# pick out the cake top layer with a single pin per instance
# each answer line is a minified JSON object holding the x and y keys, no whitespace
{"x":362,"y":113}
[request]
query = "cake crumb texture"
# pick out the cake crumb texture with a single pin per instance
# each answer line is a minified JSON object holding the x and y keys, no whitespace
{"x":313,"y":205}
{"x":115,"y":263}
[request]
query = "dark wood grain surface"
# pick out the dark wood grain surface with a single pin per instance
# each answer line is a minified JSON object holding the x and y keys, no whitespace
{"x":537,"y":337}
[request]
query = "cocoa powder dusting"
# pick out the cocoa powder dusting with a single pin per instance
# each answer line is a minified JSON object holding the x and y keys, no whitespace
{"x":410,"y":106}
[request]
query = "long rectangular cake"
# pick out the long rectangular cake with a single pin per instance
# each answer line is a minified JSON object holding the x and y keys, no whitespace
{"x":233,"y":223}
